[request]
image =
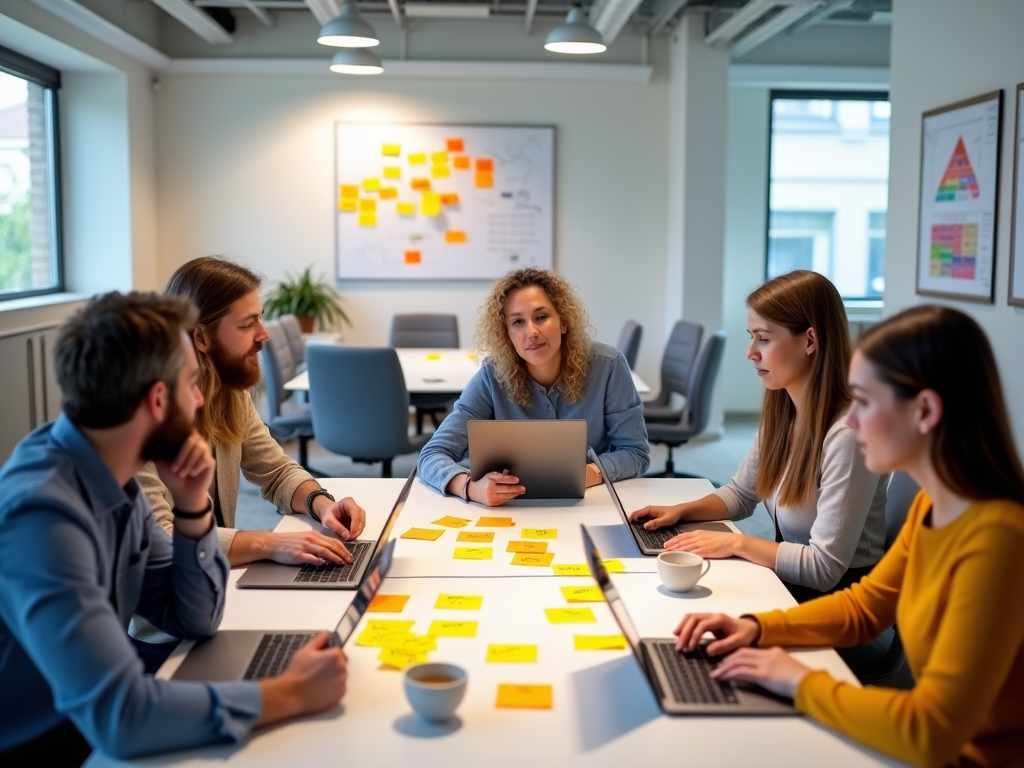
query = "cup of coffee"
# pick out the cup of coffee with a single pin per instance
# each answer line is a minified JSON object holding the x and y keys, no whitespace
{"x":435,"y":690}
{"x":680,"y":571}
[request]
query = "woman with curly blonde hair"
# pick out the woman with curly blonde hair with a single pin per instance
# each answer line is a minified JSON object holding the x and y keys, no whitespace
{"x":540,"y":363}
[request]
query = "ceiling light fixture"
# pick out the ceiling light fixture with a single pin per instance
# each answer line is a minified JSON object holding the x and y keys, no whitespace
{"x":348,"y":29}
{"x":356,"y":61}
{"x":576,"y":35}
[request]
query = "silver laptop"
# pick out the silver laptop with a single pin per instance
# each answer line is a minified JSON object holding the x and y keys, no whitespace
{"x":267,"y":575}
{"x":652,"y":542}
{"x":549,"y":456}
{"x":256,"y":654}
{"x":681,"y":681}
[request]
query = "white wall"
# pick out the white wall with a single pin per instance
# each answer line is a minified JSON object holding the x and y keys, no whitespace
{"x":921,"y":81}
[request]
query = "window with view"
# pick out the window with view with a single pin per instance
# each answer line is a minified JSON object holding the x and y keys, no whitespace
{"x":828,"y":188}
{"x":30,"y":260}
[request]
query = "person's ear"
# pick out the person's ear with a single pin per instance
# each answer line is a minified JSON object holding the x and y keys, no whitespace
{"x":565,"y":328}
{"x":810,"y":342}
{"x":158,"y":401}
{"x":201,"y":339}
{"x":929,"y":410}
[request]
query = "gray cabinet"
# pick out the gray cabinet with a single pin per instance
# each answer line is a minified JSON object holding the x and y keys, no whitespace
{"x":29,"y":395}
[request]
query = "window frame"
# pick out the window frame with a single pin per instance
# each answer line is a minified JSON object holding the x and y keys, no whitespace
{"x":18,"y":65}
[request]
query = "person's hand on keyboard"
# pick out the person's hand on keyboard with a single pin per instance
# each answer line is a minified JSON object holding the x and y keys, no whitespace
{"x":659,"y":517}
{"x":730,"y":633}
{"x":771,"y":668}
{"x":313,"y":681}
{"x":295,"y":548}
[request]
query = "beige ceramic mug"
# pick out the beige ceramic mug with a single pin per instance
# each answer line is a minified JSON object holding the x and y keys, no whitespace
{"x":680,"y":571}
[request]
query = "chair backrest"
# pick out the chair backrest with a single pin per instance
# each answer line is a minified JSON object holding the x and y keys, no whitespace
{"x":425,"y":331}
{"x":677,"y":364}
{"x":278,"y":366}
{"x":701,"y":390}
{"x":899,"y":496}
{"x":359,"y":403}
{"x":629,"y":341}
{"x":293,"y":331}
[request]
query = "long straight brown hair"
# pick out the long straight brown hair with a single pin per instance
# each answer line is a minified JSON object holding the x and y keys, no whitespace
{"x":791,"y":444}
{"x":946,"y":351}
{"x":213,"y":285}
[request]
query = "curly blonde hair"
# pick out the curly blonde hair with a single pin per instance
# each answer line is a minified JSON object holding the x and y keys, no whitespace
{"x":492,"y":338}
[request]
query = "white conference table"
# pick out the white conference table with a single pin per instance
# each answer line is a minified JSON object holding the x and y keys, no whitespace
{"x":446,"y":371}
{"x":603,"y":711}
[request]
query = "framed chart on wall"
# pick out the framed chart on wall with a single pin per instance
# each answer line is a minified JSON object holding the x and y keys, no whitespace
{"x":958,"y":198}
{"x":1016,"y":296}
{"x":443,"y":202}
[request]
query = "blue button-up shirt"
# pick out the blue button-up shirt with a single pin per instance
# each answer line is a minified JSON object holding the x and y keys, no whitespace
{"x":80,"y":554}
{"x":609,"y":403}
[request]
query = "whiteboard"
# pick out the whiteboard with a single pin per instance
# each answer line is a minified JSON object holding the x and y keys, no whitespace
{"x":443,"y":201}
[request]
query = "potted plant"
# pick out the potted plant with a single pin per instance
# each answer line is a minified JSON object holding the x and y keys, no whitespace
{"x":308,"y":299}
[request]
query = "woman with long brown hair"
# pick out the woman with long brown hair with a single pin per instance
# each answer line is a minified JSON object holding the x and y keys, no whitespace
{"x":828,"y":509}
{"x":927,"y":400}
{"x":539,"y":363}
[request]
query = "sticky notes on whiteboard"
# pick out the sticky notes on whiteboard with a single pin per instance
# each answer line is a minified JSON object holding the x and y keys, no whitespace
{"x":391,"y":150}
{"x":455,"y":236}
{"x":440,"y":172}
{"x":349,"y":190}
{"x":526,"y":558}
{"x":473,"y":553}
{"x":392,"y":172}
{"x":413,"y":257}
{"x":368,"y":204}
{"x":371,"y":185}
{"x":454,"y":145}
{"x":484,"y":180}
{"x":421,"y":185}
{"x":418,"y":158}
{"x":511,"y":654}
{"x":480,"y":537}
{"x":430,"y":205}
{"x":348,"y":204}
{"x":570,"y":615}
{"x":460,"y":163}
{"x":449,"y":198}
{"x":407,"y":209}
{"x":387,"y":193}
{"x":367,"y":219}
{"x":524,"y":696}
{"x":485,"y":165}
{"x":439,"y":158}
{"x":459,"y":602}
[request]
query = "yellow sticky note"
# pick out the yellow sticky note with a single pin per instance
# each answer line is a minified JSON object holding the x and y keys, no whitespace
{"x":439,"y":158}
{"x":349,"y":190}
{"x":381,"y":638}
{"x":575,"y":569}
{"x":440,"y":172}
{"x":526,"y":558}
{"x":527,"y":546}
{"x":540,"y":533}
{"x":367,"y":219}
{"x":400,"y":658}
{"x":391,"y":625}
{"x":583,"y":594}
{"x":433,"y":356}
{"x":412,"y":643}
{"x":524,"y":696}
{"x":495,"y":522}
{"x":392,"y":150}
{"x":407,"y":209}
{"x":371,"y":185}
{"x":418,"y":158}
{"x":368,"y":204}
{"x":347,"y":204}
{"x":473,"y":553}
{"x":392,"y":172}
{"x":452,"y":629}
{"x":613,"y":566}
{"x":455,"y":236}
{"x":459,"y":602}
{"x":431,"y":204}
{"x":424,"y":534}
{"x":599,"y":642}
{"x":388,"y":193}
{"x":509,"y":654}
{"x":482,"y":537}
{"x":387,"y":604}
{"x":452,"y":522}
{"x":570,"y":615}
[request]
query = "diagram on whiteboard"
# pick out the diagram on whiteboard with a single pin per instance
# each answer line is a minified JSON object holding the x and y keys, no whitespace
{"x":443,"y":201}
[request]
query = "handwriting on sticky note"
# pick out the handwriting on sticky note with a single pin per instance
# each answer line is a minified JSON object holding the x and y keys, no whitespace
{"x":455,"y":236}
{"x":394,"y":625}
{"x":459,"y":602}
{"x":424,"y":534}
{"x":461,"y":162}
{"x":538,"y":559}
{"x":583,"y":594}
{"x":524,"y":696}
{"x":413,"y":643}
{"x":380,"y":636}
{"x":371,"y":185}
{"x":454,"y":145}
{"x":511,"y":654}
{"x":452,"y":522}
{"x":392,"y":172}
{"x":367,"y":219}
{"x":481,"y":537}
{"x":599,"y":642}
{"x":387,"y":603}
{"x":347,"y":204}
{"x":349,"y":190}
{"x":407,"y":209}
{"x":539,"y":547}
{"x":570,"y":615}
{"x":452,"y":628}
{"x":417,"y":158}
{"x":473,"y":553}
{"x":392,"y":150}
{"x":574,"y":569}
{"x":400,"y":658}
{"x":495,"y":522}
{"x":540,"y":533}
{"x":413,"y":257}
{"x":613,"y":566}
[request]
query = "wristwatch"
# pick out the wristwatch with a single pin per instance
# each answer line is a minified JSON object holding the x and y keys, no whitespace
{"x":309,"y":502}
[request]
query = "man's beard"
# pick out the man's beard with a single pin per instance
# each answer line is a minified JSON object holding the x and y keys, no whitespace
{"x":166,"y":441}
{"x":241,"y":372}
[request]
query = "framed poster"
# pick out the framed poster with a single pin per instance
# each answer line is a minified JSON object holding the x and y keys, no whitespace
{"x":958,"y":199}
{"x":1016,"y":297}
{"x":443,"y":202}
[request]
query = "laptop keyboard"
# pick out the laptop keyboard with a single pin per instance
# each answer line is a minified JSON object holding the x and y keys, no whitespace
{"x":653,"y":539}
{"x":273,"y":654}
{"x":331,"y":573}
{"x":689,"y":679}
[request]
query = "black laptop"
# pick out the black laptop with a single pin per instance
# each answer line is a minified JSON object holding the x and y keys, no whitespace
{"x":549,"y":456}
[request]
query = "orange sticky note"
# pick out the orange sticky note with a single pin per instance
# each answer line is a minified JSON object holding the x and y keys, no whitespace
{"x":423,"y":534}
{"x":392,"y":150}
{"x":392,"y":172}
{"x":524,"y":696}
{"x":371,"y":185}
{"x":461,"y":162}
{"x":485,"y":165}
{"x":449,"y":198}
{"x":367,"y":219}
{"x":430,"y":205}
{"x":413,"y":257}
{"x":538,"y":559}
{"x":455,"y":236}
{"x":421,"y":185}
{"x":495,"y":522}
{"x":539,"y":547}
{"x":440,"y":172}
{"x":418,"y":158}
{"x":452,"y":522}
{"x":387,"y":604}
{"x":484,"y":180}
{"x":386,"y":193}
{"x":454,"y":145}
{"x":349,"y":190}
{"x":407,"y":209}
{"x":368,"y":204}
{"x":348,"y":204}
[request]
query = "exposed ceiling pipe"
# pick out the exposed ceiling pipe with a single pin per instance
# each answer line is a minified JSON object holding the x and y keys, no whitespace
{"x":772,"y":27}
{"x":396,"y":12}
{"x":610,"y":16}
{"x":739,"y":21}
{"x":819,"y":15}
{"x":664,"y":13}
{"x":531,"y":10}
{"x":264,"y":16}
{"x":196,"y":20}
{"x":324,"y":10}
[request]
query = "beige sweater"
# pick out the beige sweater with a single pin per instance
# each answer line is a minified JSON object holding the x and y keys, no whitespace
{"x":262,"y":461}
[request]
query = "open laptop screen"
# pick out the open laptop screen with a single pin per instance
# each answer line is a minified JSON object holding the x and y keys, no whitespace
{"x":611,"y":595}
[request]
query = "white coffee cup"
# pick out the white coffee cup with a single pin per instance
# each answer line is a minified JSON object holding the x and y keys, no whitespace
{"x":680,"y":571}
{"x":435,"y":690}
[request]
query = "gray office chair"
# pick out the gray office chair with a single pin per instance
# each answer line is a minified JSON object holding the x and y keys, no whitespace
{"x":676,"y":368}
{"x":629,"y":342}
{"x":360,"y":404}
{"x":697,"y":412}
{"x":427,"y":331}
{"x":285,"y":423}
{"x":293,"y":331}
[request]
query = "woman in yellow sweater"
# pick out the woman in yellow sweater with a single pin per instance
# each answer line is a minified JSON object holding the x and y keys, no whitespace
{"x":927,"y":399}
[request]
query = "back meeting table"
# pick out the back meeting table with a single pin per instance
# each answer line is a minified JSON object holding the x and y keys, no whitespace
{"x":435,"y":371}
{"x":603,"y":712}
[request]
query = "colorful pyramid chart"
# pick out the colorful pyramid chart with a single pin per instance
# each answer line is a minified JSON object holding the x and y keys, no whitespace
{"x":958,"y":182}
{"x":954,"y":251}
